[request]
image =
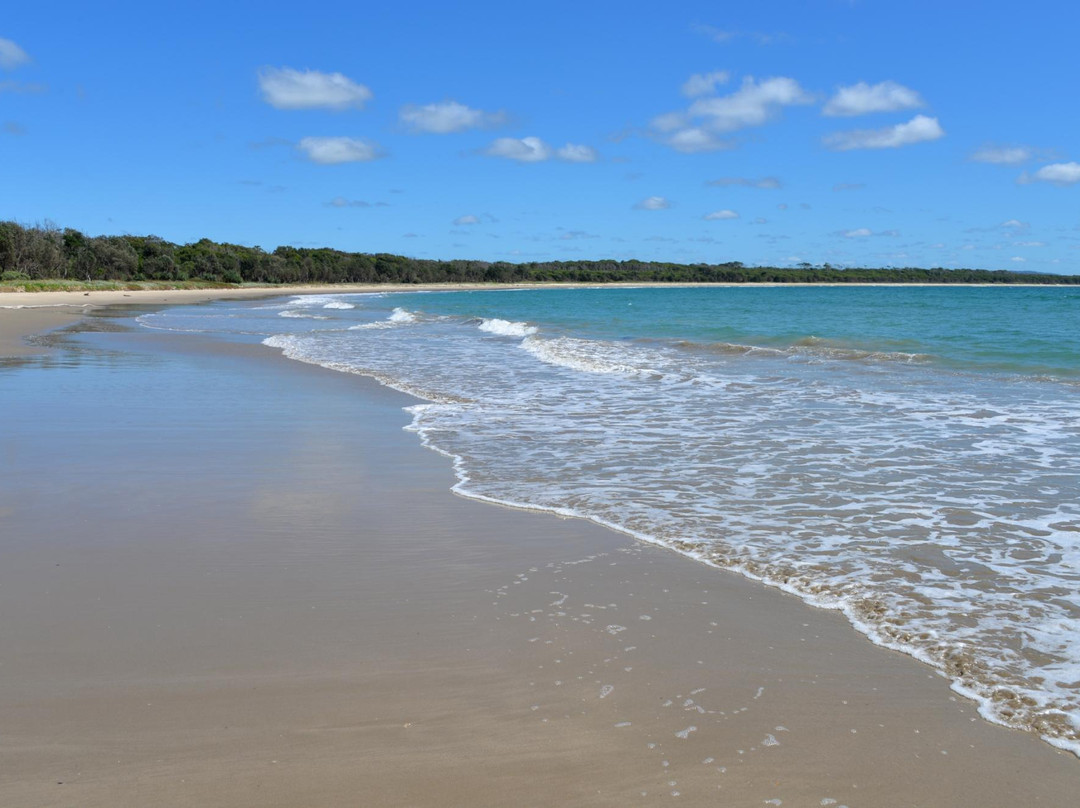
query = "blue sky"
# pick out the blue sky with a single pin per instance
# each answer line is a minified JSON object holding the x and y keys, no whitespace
{"x":848,"y":132}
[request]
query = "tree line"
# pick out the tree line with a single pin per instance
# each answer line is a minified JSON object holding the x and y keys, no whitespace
{"x":47,"y":252}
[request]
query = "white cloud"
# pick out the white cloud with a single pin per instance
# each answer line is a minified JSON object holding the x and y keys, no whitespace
{"x":753,"y":104}
{"x":1014,"y":224}
{"x":1003,"y":155}
{"x":576,"y":153}
{"x":653,"y":203}
{"x":1031,"y":244}
{"x":334,"y":150}
{"x":524,"y":150}
{"x":11,"y":55}
{"x":669,"y":121}
{"x":719,"y":215}
{"x":1057,"y":173}
{"x":767,"y":183}
{"x":696,"y":129}
{"x":863,"y":98}
{"x":696,"y":140}
{"x":1018,"y":259}
{"x":917,"y":130}
{"x":467,"y":219}
{"x":446,"y":117}
{"x":285,"y":88}
{"x":534,"y":150}
{"x":704,"y":83}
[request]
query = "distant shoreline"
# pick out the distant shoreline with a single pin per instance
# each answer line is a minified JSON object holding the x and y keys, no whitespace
{"x":41,"y":256}
{"x":25,"y":313}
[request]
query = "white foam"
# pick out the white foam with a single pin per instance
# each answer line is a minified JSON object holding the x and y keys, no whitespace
{"x":300,"y":315}
{"x":506,"y":328}
{"x":586,"y":356}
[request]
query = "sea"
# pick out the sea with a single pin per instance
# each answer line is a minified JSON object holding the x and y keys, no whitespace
{"x":909,"y":456}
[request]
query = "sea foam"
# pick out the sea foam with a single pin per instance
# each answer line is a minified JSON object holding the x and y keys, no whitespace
{"x":506,"y":328}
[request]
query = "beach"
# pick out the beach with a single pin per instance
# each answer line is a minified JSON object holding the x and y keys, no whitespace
{"x":231,"y":579}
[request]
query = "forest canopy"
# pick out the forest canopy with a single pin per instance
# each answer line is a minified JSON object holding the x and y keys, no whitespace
{"x":47,"y":252}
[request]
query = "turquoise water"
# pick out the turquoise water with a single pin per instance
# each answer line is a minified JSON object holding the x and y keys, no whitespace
{"x":909,"y":456}
{"x":1032,"y":330}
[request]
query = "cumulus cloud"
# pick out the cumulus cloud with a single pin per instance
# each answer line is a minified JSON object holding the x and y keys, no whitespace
{"x":1014,"y":225}
{"x":286,"y":88}
{"x":768,"y":183}
{"x":11,"y":55}
{"x":653,"y":203}
{"x":863,"y":98}
{"x":524,"y":150}
{"x":576,"y":153}
{"x":704,"y":83}
{"x":695,"y":140}
{"x":534,"y":150}
{"x":1056,"y":173}
{"x":447,"y":117}
{"x":720,"y":215}
{"x":752,"y":104}
{"x":697,"y":128}
{"x":334,"y":150}
{"x":467,"y":219}
{"x":1003,"y":155}
{"x":918,"y":130}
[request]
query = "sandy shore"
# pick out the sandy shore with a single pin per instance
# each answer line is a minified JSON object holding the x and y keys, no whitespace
{"x":227,"y":579}
{"x":27,"y":313}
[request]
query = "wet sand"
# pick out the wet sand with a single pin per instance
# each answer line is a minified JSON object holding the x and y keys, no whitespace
{"x":227,"y":579}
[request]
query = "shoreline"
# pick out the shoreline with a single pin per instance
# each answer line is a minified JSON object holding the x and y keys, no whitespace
{"x":503,"y":601}
{"x":24,"y":314}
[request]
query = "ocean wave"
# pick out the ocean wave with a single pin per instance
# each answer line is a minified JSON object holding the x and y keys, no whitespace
{"x":506,"y":328}
{"x":301,"y":315}
{"x":338,"y":304}
{"x":586,"y":356}
{"x":807,"y":348}
{"x":398,"y":317}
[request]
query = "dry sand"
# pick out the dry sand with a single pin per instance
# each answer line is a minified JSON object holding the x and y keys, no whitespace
{"x":227,"y":579}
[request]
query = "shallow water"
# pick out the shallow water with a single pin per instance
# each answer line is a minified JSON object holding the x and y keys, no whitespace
{"x":908,"y":455}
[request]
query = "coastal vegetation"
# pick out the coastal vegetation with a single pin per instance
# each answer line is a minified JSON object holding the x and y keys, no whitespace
{"x":46,"y":256}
